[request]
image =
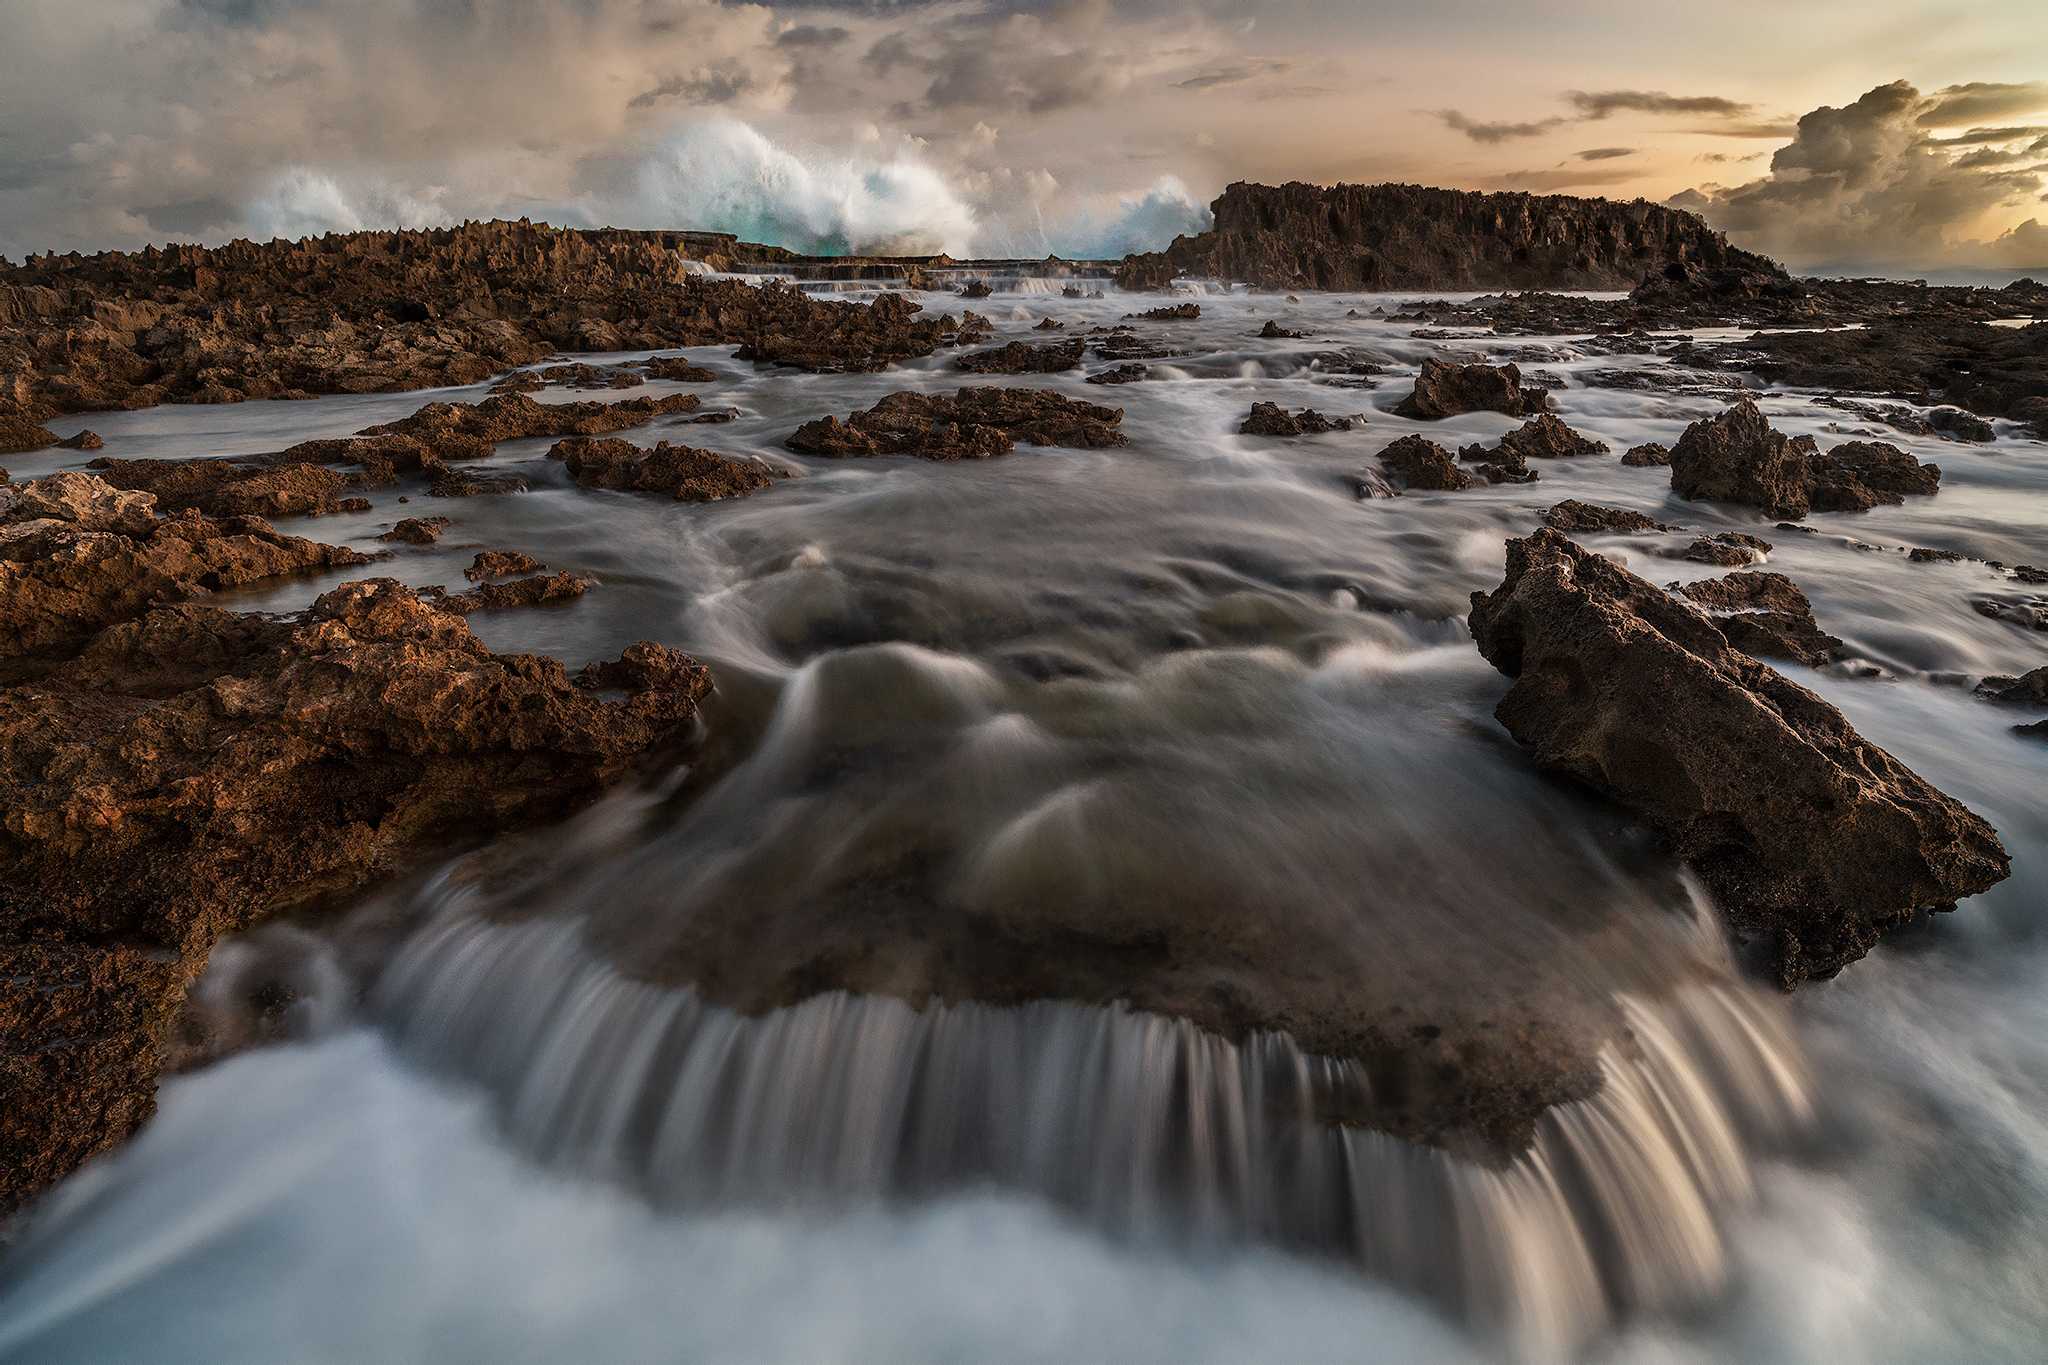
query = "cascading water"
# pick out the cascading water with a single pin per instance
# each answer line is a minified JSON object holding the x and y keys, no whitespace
{"x":750,"y":1065}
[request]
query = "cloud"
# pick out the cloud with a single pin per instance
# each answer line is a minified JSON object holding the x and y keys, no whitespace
{"x":1564,"y":179}
{"x":1605,"y":153}
{"x":810,"y":35}
{"x":1979,"y":136}
{"x":1720,"y":158}
{"x":1598,"y":104}
{"x":1231,"y":75}
{"x":1956,"y":105}
{"x":1866,"y":185}
{"x":1497,"y":132}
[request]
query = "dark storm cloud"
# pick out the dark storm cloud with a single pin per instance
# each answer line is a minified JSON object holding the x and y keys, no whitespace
{"x":704,"y":87}
{"x":1866,"y":184}
{"x":1976,"y":137}
{"x":1497,"y":132}
{"x":1598,"y":104}
{"x":1231,"y":75}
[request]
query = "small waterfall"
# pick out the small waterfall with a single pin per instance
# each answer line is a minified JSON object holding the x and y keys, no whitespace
{"x":1144,"y":1124}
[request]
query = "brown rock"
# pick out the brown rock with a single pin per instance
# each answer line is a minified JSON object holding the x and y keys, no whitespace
{"x":837,"y":338}
{"x":680,"y":472}
{"x":20,"y":432}
{"x":1172,"y":312}
{"x":84,"y":440}
{"x":521,"y":592}
{"x":1573,"y":515}
{"x":971,"y":424}
{"x":1807,"y":834}
{"x":1419,"y":464}
{"x":2029,"y":689}
{"x":457,"y":430}
{"x":467,"y":483}
{"x":1737,"y":457}
{"x":1546,"y":438}
{"x":417,"y":530}
{"x":498,"y":563}
{"x":1764,"y":615}
{"x":1445,"y":390}
{"x":1727,"y":549}
{"x":1121,"y":374}
{"x":1269,"y":419}
{"x":677,"y":370}
{"x":1018,"y":358}
{"x":193,"y":771}
{"x":1650,"y":453}
{"x":1886,"y":468}
{"x":220,"y":488}
{"x":383,"y":458}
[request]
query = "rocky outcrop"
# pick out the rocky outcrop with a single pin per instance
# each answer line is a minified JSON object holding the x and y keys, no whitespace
{"x":523,"y":592}
{"x":498,"y":563}
{"x":1573,"y":515}
{"x":971,"y":424}
{"x":1018,"y":358}
{"x":77,"y":554}
{"x":1370,"y":237}
{"x":1420,"y":464}
{"x":1444,"y":389}
{"x":1813,"y":841}
{"x":680,"y":472}
{"x":1650,"y":454}
{"x":1269,"y":419}
{"x":2029,"y":689}
{"x":1172,"y":312}
{"x":1547,"y":438}
{"x":378,"y":312}
{"x":1764,"y":615}
{"x":1737,"y":457}
{"x":417,"y":530}
{"x":1729,"y":549}
{"x":1924,"y":354}
{"x":458,"y":431}
{"x":220,"y":488}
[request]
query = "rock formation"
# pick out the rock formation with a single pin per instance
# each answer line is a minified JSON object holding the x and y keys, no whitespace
{"x":681,"y":472}
{"x":220,"y":488}
{"x":1445,"y":390}
{"x":417,"y":530}
{"x":1417,"y":463}
{"x":498,"y":563}
{"x":174,"y":771}
{"x":1368,"y":237}
{"x":973,"y":424}
{"x":523,"y":592}
{"x":1268,"y":419}
{"x":1763,"y":614}
{"x":1811,"y":839}
{"x":1573,"y":515}
{"x":1648,"y":454}
{"x":1737,"y":457}
{"x":1018,"y":358}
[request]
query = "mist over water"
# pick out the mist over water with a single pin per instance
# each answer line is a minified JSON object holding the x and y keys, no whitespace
{"x":535,"y":1117}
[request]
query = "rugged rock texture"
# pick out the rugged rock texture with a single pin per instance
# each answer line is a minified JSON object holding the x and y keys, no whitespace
{"x":77,"y":554}
{"x":1648,"y":454}
{"x":523,"y":592}
{"x":1546,"y":438}
{"x":2029,"y":689}
{"x":1738,"y":458}
{"x":223,"y":489}
{"x":1018,"y":358}
{"x":1763,"y":614}
{"x":1729,"y":549}
{"x":677,"y":370}
{"x":417,"y":530}
{"x":1351,"y":237}
{"x":1810,"y":838}
{"x":1172,"y":312}
{"x":1269,"y":419}
{"x":681,"y":472}
{"x":1573,"y":515}
{"x":972,"y":424}
{"x":1121,"y":374}
{"x":464,"y":431}
{"x":377,"y":312}
{"x":1420,"y":464}
{"x":1445,"y":390}
{"x":498,"y":563}
{"x":1922,"y":355}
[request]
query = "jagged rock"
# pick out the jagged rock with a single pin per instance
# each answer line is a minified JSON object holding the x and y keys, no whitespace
{"x":1809,"y":836}
{"x":2029,"y":689}
{"x":1737,"y":457}
{"x":221,"y":488}
{"x":1961,"y":426}
{"x":498,"y":563}
{"x":851,"y":339}
{"x":1274,"y":330}
{"x":193,"y":771}
{"x":1650,"y":453}
{"x":1445,"y":390}
{"x":1376,"y":237}
{"x":1764,"y":615}
{"x":1018,"y":358}
{"x":1573,"y":515}
{"x":1728,"y":549}
{"x":521,"y":381}
{"x":1501,"y":465}
{"x":77,"y":554}
{"x":972,"y":424}
{"x":84,"y":440}
{"x":1419,"y":464}
{"x":1122,"y":374}
{"x":1269,"y":419}
{"x":417,"y":530}
{"x":521,"y":592}
{"x":383,"y":458}
{"x":1916,"y":350}
{"x":583,"y":376}
{"x":677,"y":370}
{"x":975,"y":289}
{"x":465,"y":431}
{"x":681,"y":472}
{"x":20,"y":432}
{"x":1921,"y":555}
{"x":1173,"y":312}
{"x":1546,"y":438}
{"x":467,"y":483}
{"x":1049,"y":325}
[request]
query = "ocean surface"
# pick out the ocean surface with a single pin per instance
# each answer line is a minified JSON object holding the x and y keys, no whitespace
{"x":1197,"y":666}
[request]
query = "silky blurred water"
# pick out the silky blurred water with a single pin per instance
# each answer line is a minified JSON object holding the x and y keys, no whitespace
{"x":1219,"y":624}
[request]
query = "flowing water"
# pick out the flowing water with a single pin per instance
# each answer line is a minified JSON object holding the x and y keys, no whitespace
{"x":600,"y":1100}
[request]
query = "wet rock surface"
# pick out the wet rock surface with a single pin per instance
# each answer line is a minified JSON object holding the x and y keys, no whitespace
{"x":524,"y":592}
{"x":1813,"y":841}
{"x":1420,"y":464}
{"x":417,"y":530}
{"x":174,"y":771}
{"x":1269,"y":419}
{"x":1573,"y":515}
{"x":1445,"y":389}
{"x":1648,"y":454}
{"x":1019,"y":358}
{"x":1737,"y":457}
{"x":221,"y":488}
{"x":1764,"y":615}
{"x":2028,"y":689}
{"x":498,"y":563}
{"x":680,"y":472}
{"x":970,"y":424}
{"x":456,"y":431}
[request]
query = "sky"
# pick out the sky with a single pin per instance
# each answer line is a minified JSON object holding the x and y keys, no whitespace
{"x":1892,"y":136}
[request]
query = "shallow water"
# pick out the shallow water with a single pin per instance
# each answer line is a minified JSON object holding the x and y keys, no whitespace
{"x":1195,"y":669}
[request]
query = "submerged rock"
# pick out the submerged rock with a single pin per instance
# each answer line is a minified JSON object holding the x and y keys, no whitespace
{"x":1417,"y":463}
{"x":1729,"y":549}
{"x":2028,"y":689}
{"x":498,"y":563}
{"x":1445,"y":390}
{"x":682,"y":472}
{"x":1810,"y":837}
{"x":1172,"y":312}
{"x":1269,"y":419}
{"x":1018,"y":358}
{"x":456,"y":431}
{"x":1121,"y":374}
{"x":1546,"y":438}
{"x":971,"y":424}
